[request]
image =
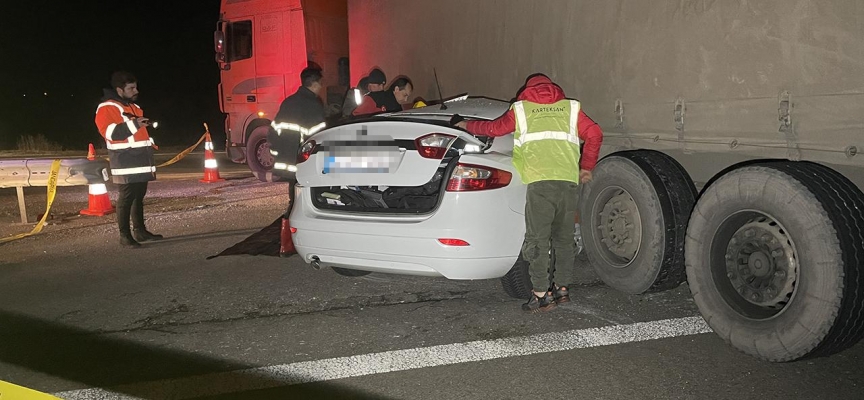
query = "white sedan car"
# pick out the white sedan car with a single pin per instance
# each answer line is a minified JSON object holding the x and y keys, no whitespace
{"x":406,"y":193}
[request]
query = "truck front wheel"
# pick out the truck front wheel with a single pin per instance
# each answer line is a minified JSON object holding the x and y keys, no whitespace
{"x":258,"y":155}
{"x":775,"y":260}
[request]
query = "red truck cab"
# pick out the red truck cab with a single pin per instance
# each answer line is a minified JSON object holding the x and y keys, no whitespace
{"x":261,"y":47}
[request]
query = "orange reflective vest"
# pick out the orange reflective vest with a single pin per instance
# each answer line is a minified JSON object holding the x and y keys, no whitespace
{"x":130,"y":146}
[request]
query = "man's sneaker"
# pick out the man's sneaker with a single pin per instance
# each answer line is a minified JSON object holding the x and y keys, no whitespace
{"x":561,"y":295}
{"x":128,"y":242}
{"x":539,"y":304}
{"x":143,"y":236}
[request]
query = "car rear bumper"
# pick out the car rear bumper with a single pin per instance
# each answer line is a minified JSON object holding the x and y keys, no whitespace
{"x":410,"y":246}
{"x":450,"y":268}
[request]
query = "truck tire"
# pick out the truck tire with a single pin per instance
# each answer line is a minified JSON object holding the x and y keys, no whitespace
{"x":517,"y":281}
{"x":634,"y":218}
{"x":350,"y":272}
{"x":258,"y":155}
{"x":775,"y":260}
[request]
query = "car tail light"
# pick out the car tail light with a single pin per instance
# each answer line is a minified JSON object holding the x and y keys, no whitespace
{"x":467,"y":177}
{"x":306,"y":151}
{"x":434,"y":145}
{"x":453,"y":242}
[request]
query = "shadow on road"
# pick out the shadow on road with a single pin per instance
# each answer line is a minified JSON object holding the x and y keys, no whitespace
{"x":111,"y":362}
{"x":263,"y":242}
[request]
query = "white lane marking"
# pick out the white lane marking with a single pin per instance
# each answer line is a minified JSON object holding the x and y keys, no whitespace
{"x":394,"y":361}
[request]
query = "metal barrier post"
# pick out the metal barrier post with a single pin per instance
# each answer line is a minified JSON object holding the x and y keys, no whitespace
{"x":21,"y":207}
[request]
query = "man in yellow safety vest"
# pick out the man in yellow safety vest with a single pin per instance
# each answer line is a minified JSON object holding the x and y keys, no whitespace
{"x":547,"y":131}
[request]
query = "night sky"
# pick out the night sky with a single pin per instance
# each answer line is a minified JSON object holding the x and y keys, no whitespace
{"x":68,"y":49}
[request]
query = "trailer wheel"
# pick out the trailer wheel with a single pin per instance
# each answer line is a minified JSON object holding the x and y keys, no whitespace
{"x":258,"y":155}
{"x":634,"y":217}
{"x":775,"y":260}
{"x":350,"y":272}
{"x":517,"y":281}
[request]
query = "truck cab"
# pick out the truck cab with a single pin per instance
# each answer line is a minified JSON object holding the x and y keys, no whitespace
{"x":261,"y":46}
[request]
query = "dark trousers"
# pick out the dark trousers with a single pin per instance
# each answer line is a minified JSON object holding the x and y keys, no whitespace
{"x":550,"y":211}
{"x":130,"y":202}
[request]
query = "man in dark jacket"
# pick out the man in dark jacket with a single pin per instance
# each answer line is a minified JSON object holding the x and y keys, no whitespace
{"x":547,"y":129}
{"x":300,"y":116}
{"x":123,"y":125}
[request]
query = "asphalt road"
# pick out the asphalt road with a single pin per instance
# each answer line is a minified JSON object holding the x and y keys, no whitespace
{"x":83,"y":318}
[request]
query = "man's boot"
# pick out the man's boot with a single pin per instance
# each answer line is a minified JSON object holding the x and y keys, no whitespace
{"x":142,"y":235}
{"x":127,"y":241}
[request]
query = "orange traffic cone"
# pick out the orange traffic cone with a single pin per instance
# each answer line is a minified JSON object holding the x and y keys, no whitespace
{"x":99,"y":202}
{"x":286,"y":247}
{"x":211,"y":169}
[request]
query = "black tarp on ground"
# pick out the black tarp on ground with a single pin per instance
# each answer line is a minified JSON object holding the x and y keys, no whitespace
{"x":265,"y":242}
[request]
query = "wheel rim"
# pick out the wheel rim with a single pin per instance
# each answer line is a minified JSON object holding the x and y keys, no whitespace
{"x":618,"y":226}
{"x":262,"y":154}
{"x":755,"y":264}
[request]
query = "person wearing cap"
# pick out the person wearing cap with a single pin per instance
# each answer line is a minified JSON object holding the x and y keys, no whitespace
{"x":375,"y":81}
{"x":390,"y":100}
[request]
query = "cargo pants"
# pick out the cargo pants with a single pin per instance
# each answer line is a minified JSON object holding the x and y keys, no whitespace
{"x":550,"y":211}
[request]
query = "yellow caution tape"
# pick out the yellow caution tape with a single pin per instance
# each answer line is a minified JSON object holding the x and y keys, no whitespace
{"x":52,"y":191}
{"x":9,"y":391}
{"x":186,"y":152}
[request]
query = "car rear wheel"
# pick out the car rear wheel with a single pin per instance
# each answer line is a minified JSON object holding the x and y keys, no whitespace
{"x":634,"y":216}
{"x":775,"y":260}
{"x":517,"y":281}
{"x":350,"y":272}
{"x":258,"y":155}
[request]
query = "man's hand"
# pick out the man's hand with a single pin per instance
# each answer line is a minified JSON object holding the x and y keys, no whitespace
{"x":462,"y":124}
{"x":585,"y":176}
{"x":142,"y":121}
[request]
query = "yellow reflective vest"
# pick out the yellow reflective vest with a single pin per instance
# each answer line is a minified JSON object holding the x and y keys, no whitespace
{"x":546,"y":141}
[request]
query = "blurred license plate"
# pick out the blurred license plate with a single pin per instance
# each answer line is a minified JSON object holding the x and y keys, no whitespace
{"x":362,"y":164}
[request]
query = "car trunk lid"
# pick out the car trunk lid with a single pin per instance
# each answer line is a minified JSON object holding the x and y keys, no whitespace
{"x":381,"y":153}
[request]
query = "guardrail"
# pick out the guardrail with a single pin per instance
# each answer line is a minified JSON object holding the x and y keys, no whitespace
{"x":21,"y":173}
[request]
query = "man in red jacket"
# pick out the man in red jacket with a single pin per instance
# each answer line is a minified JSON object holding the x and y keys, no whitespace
{"x":548,"y":129}
{"x":123,"y":125}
